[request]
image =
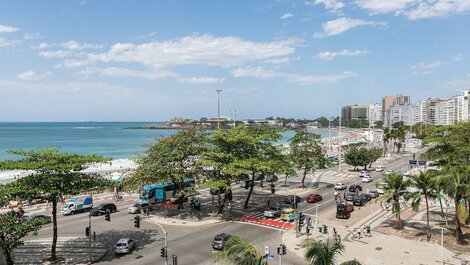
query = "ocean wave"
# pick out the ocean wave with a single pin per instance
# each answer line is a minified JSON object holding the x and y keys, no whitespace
{"x":85,"y":128}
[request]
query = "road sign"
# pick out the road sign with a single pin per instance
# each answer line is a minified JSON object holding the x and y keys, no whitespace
{"x":266,"y":250}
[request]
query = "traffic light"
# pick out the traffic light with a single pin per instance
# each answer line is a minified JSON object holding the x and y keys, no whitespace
{"x":284,"y":249}
{"x":87,"y":231}
{"x":279,"y":250}
{"x":163,"y":252}
{"x":137,"y":221}
{"x":301,"y":219}
{"x":273,"y":188}
{"x":325,"y":229}
{"x":107,"y":216}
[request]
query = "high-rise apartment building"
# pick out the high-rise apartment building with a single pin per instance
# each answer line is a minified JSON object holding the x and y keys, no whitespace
{"x":388,"y":102}
{"x":462,"y":105}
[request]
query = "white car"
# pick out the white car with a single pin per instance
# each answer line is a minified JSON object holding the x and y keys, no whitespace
{"x":137,"y":207}
{"x":364,"y":174}
{"x":379,"y":169}
{"x":124,"y":245}
{"x":388,"y":172}
{"x":366,"y":179}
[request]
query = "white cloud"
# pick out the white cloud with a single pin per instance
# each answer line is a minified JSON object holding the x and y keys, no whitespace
{"x":4,"y":42}
{"x":426,"y":67}
{"x":457,"y":58}
{"x":259,"y":72}
{"x":286,"y":16}
{"x":416,"y":9}
{"x":196,"y":49}
{"x":340,"y":25}
{"x":7,"y":29}
{"x":70,"y":63}
{"x":55,"y":54}
{"x":200,"y":80}
{"x":346,"y":53}
{"x":32,"y":75}
{"x":331,"y":5}
{"x":123,"y":72}
{"x":73,"y":45}
{"x":41,"y":46}
{"x":31,"y":36}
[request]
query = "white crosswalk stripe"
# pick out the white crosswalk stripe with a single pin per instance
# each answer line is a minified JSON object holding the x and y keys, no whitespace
{"x":261,"y":215}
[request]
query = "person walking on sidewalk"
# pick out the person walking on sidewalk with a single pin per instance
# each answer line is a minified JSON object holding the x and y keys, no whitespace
{"x":364,"y":231}
{"x":147,"y":213}
{"x":368,"y":230}
{"x":382,"y":205}
{"x":358,"y":233}
{"x":354,"y":233}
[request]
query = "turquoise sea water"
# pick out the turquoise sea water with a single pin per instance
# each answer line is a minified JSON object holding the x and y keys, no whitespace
{"x":103,"y":138}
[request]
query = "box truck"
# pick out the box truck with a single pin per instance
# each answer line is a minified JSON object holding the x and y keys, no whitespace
{"x":77,"y":204}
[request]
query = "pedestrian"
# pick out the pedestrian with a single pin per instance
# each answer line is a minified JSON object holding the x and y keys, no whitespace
{"x":268,"y":202}
{"x":354,"y":233}
{"x":334,"y":231}
{"x":147,"y":212}
{"x":344,"y":195}
{"x":364,"y":231}
{"x":142,"y":212}
{"x":368,"y":230}
{"x":382,"y":205}
{"x":358,"y":233}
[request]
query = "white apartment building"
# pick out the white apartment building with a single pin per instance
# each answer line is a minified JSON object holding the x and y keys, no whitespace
{"x":461,"y":107}
{"x":404,"y":113}
{"x":419,"y":112}
{"x":445,"y":112}
{"x":375,"y":113}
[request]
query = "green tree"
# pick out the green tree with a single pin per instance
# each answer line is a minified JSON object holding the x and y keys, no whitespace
{"x":357,"y":157}
{"x":171,"y":160}
{"x":374,"y":154}
{"x":56,"y":173}
{"x":238,"y":251}
{"x":400,"y":135}
{"x":378,"y":124}
{"x":13,"y":227}
{"x":394,"y":189}
{"x":286,"y":166}
{"x":307,"y":153}
{"x":323,"y":252}
{"x":425,"y":183}
{"x":386,"y":138}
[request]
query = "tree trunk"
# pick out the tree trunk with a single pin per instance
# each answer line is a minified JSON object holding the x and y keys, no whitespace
{"x":458,"y":230}
{"x":250,"y":191}
{"x":442,"y":208}
{"x":54,"y":228}
{"x":428,"y":233}
{"x":285,"y":181}
{"x":303,"y":178}
{"x":8,"y":257}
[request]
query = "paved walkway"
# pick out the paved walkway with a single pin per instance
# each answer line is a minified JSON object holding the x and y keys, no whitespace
{"x":379,"y":248}
{"x":181,"y":222}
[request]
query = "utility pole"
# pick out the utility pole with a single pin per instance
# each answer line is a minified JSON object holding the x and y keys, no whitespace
{"x":339,"y":137}
{"x":89,"y":238}
{"x":218,"y":107}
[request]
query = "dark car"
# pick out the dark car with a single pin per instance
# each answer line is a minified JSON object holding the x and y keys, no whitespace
{"x":343,"y":210}
{"x":353,"y":188}
{"x":214,"y":191}
{"x":360,"y":200}
{"x":43,"y":218}
{"x":290,"y":199}
{"x":368,"y":197}
{"x":219,"y":241}
{"x":271,"y":178}
{"x":259,"y":177}
{"x":314,"y":198}
{"x":246,"y":183}
{"x":350,"y":196}
{"x":101,"y":209}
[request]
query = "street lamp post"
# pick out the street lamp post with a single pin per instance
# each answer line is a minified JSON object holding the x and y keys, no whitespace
{"x":339,"y":137}
{"x":166,"y":243}
{"x":218,"y":107}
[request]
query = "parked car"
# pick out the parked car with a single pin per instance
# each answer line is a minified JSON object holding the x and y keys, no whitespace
{"x":101,"y":209}
{"x":214,"y":191}
{"x":350,"y":196}
{"x":137,"y":207}
{"x":366,"y":179}
{"x":43,"y":218}
{"x":273,"y":212}
{"x":368,"y":196}
{"x":363,"y":173}
{"x":312,"y":198}
{"x":340,"y":186}
{"x":353,"y":188}
{"x":219,"y":241}
{"x":374,"y":193}
{"x":271,"y":178}
{"x":290,"y":199}
{"x":349,"y":207}
{"x":259,"y":177}
{"x":360,"y":200}
{"x":124,"y":245}
{"x":379,"y":169}
{"x":246,"y":183}
{"x":288,"y":214}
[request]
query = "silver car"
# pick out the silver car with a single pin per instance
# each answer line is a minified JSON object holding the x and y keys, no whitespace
{"x":124,"y":246}
{"x":374,"y":193}
{"x":273,"y":212}
{"x":137,"y":207}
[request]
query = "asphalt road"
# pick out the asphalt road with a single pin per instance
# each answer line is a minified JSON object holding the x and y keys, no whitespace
{"x":192,"y":245}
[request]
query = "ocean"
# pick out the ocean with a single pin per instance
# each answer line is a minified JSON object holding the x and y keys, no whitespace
{"x":103,"y":138}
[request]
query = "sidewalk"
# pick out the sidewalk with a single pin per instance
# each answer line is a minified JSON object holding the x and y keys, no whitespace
{"x":380,"y":248}
{"x":181,"y":222}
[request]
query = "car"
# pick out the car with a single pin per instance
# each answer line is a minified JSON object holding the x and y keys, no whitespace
{"x":246,"y":183}
{"x":288,"y":214}
{"x":363,"y":173}
{"x":388,"y":172}
{"x":340,"y":186}
{"x":214,"y":191}
{"x":271,"y":178}
{"x":101,"y":209}
{"x":349,"y":207}
{"x":353,"y":188}
{"x":259,"y":177}
{"x":312,"y":198}
{"x":374,"y":193}
{"x":366,"y":179}
{"x":379,"y":169}
{"x":360,"y":200}
{"x":219,"y":241}
{"x":368,"y":196}
{"x":124,"y":246}
{"x":290,"y":199}
{"x":273,"y":212}
{"x":350,"y":196}
{"x":137,"y":207}
{"x":42,"y":218}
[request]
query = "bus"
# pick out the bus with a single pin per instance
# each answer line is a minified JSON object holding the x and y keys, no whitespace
{"x":160,"y":192}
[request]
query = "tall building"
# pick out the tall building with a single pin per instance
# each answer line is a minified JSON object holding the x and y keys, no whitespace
{"x":375,"y":113}
{"x":401,"y":113}
{"x":419,"y":112}
{"x":388,"y":102}
{"x":461,"y":107}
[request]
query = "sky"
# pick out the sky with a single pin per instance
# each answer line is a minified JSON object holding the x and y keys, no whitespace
{"x":155,"y":60}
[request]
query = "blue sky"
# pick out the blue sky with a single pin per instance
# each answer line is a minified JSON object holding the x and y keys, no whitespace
{"x":155,"y":60}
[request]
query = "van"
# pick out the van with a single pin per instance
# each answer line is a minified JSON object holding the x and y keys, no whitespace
{"x":288,"y":214}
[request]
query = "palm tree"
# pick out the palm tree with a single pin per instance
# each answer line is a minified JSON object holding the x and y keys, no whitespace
{"x":237,"y":251}
{"x":425,"y":183}
{"x":387,"y":136}
{"x":325,"y":252}
{"x":457,"y":184}
{"x":394,"y":189}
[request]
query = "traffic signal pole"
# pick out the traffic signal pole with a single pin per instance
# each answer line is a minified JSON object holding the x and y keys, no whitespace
{"x":89,"y":238}
{"x":166,"y":243}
